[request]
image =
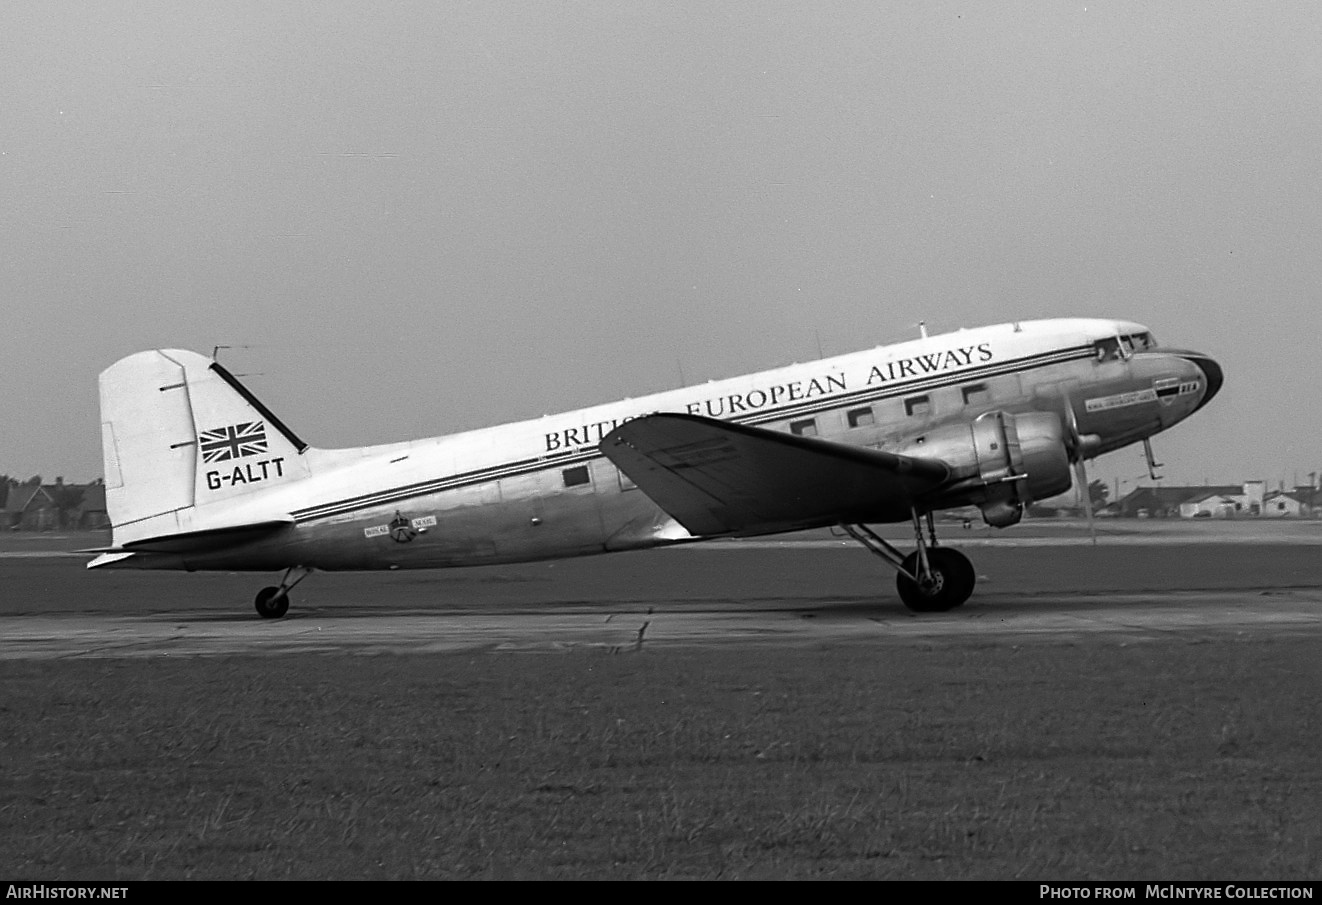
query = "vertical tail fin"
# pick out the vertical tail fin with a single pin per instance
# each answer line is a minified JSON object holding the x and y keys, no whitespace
{"x":178,"y":432}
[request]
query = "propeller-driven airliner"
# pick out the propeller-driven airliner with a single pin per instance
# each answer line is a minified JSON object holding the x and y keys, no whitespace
{"x":200,"y":475}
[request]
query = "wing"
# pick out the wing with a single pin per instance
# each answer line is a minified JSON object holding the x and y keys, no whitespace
{"x":715,"y":477}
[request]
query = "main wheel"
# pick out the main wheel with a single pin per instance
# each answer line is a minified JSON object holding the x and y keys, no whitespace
{"x":271,"y":603}
{"x":951,"y":582}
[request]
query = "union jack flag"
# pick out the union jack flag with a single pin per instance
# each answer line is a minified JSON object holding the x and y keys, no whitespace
{"x":233,"y":442}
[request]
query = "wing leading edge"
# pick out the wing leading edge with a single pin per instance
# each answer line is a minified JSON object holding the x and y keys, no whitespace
{"x":714,"y":477}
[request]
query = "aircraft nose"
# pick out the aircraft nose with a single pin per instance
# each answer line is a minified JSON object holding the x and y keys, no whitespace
{"x":1211,"y":373}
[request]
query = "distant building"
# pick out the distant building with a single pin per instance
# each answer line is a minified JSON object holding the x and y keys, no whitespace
{"x":1285,"y":504}
{"x":1213,"y":505}
{"x":31,"y":507}
{"x":50,"y":507}
{"x":1187,"y":501}
{"x":1249,"y":499}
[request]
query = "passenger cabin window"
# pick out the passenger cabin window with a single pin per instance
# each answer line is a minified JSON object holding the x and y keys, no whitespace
{"x":976,"y":394}
{"x":805,"y":428}
{"x":576,"y":476}
{"x":861,"y":417}
{"x":917,"y":406}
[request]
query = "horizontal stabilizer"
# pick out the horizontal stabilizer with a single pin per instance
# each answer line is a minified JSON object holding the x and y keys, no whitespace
{"x":106,"y":558}
{"x":714,"y":477}
{"x":206,"y":541}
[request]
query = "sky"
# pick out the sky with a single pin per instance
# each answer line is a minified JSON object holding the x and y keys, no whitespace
{"x":407,"y":219}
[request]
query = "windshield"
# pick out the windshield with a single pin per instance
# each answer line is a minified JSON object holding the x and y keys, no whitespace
{"x":1120,"y":347}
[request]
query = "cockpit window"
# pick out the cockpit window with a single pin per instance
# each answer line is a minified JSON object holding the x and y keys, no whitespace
{"x":1120,"y":347}
{"x":1107,"y":349}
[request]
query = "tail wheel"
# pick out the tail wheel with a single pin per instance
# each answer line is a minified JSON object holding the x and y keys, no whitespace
{"x":949,"y":581}
{"x":271,"y":603}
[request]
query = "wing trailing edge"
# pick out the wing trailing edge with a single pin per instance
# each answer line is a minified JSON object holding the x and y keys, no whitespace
{"x":719,"y":478}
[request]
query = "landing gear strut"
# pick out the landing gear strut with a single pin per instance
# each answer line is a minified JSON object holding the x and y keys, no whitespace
{"x":273,"y":602}
{"x":932,"y":579}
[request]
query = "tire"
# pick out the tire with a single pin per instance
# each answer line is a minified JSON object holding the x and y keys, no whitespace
{"x":953,"y":579}
{"x":271,"y":603}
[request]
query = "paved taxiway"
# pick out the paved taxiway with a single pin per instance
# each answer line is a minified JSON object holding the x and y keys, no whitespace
{"x":1194,"y":616}
{"x":789,"y":592}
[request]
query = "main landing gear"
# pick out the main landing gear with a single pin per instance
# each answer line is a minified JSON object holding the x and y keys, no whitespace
{"x":273,"y":602}
{"x":931,"y":579}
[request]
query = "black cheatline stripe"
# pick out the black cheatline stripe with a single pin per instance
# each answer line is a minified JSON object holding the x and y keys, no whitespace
{"x":587,"y":454}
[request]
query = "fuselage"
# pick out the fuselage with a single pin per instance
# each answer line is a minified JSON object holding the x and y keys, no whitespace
{"x":540,"y":488}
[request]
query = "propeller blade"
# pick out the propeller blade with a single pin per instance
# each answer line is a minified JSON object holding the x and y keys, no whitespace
{"x":1075,"y":438}
{"x":1081,"y":475}
{"x":1076,"y":445}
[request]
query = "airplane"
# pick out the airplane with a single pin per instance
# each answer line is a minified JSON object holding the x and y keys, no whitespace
{"x":200,"y":475}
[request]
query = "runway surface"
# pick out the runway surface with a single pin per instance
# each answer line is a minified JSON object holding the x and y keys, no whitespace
{"x":797,"y":592}
{"x":1192,"y":615}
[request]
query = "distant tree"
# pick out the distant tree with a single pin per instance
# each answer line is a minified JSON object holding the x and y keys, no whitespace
{"x":5,"y":481}
{"x":67,"y":498}
{"x":34,"y":481}
{"x":1098,"y":493}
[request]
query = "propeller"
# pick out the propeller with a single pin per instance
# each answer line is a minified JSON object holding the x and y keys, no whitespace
{"x":1079,"y":445}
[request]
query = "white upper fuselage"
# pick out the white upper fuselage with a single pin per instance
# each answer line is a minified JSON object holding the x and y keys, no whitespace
{"x":763,"y":398}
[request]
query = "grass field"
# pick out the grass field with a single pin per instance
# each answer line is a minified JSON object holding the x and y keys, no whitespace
{"x":1155,"y":760}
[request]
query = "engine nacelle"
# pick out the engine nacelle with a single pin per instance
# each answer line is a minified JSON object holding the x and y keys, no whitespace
{"x":1001,"y":462}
